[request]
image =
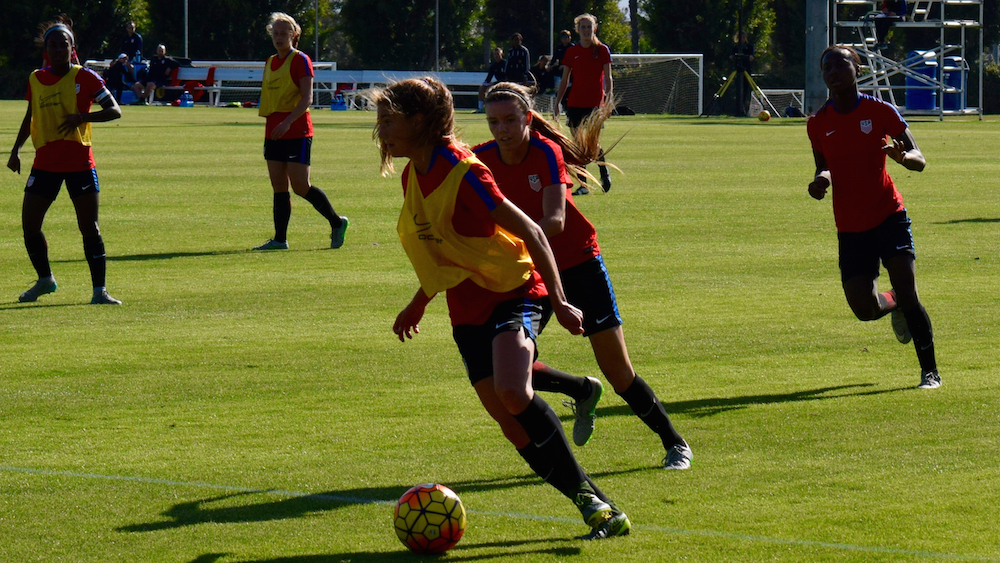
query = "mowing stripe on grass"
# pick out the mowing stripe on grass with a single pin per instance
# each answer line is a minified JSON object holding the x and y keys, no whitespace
{"x":647,"y":528}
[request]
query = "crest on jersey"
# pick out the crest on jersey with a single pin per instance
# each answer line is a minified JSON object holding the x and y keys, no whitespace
{"x":535,"y":182}
{"x":866,"y":126}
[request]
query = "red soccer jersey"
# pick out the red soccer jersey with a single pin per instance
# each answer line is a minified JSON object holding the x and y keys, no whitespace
{"x":588,"y":74}
{"x":863,"y":193}
{"x":478,"y":195}
{"x":65,"y":155}
{"x":523,"y":184}
{"x":303,"y":126}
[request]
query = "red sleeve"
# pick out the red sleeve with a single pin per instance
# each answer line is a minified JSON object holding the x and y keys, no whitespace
{"x":605,"y":55}
{"x":478,"y":196}
{"x":301,"y":66}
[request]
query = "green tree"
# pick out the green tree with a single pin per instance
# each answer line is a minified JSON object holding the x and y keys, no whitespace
{"x":98,"y":26}
{"x":399,"y":34}
{"x":530,"y":18}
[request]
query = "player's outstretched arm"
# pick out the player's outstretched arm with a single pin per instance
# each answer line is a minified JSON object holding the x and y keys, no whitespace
{"x":14,"y":162}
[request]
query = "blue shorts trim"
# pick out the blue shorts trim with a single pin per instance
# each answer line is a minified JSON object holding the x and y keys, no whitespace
{"x":475,"y":342}
{"x":588,"y":288}
{"x":47,"y":184}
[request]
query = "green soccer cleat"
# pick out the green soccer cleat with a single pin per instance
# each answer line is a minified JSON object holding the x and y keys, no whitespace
{"x":272,"y":244}
{"x":337,"y":237}
{"x":899,"y":327}
{"x":40,"y":288}
{"x":617,"y":525}
{"x":583,"y":413}
{"x":594,"y":510}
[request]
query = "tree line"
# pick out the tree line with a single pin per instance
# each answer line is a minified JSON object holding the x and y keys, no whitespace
{"x":400,"y":34}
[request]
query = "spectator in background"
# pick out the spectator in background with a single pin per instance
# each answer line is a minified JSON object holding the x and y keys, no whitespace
{"x":119,"y":76}
{"x":157,"y":76}
{"x":495,"y":74}
{"x":132,"y":45}
{"x":543,"y":79}
{"x":555,"y":65}
{"x":516,"y":69}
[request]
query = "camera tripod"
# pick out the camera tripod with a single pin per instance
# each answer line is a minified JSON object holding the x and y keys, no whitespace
{"x":728,"y":82}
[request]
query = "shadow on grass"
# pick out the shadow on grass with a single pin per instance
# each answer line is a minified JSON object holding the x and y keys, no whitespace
{"x":709,"y":407}
{"x":509,"y":549}
{"x":974,"y":220}
{"x":297,"y":506}
{"x":171,"y":255}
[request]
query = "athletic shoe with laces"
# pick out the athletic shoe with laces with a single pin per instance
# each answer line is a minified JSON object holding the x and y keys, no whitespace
{"x":594,"y":510}
{"x":582,"y":190}
{"x":40,"y":288}
{"x":337,"y":238}
{"x":617,"y":525}
{"x":583,"y":413}
{"x":929,"y":380}
{"x":678,"y":457}
{"x":103,"y":298}
{"x":899,"y":327}
{"x":272,"y":244}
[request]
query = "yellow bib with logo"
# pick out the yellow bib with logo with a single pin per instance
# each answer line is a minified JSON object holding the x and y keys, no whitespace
{"x":443,"y":258}
{"x":49,"y":107}
{"x":278,"y":91}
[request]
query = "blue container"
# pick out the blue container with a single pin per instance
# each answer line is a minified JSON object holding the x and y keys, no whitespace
{"x":338,"y":103}
{"x":128,"y":97}
{"x":954,"y":76}
{"x":186,"y":100}
{"x":920,"y":94}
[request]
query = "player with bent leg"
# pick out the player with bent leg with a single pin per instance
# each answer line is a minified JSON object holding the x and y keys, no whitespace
{"x":851,"y":135}
{"x":527,"y":160}
{"x":285,"y":97}
{"x":465,"y":238}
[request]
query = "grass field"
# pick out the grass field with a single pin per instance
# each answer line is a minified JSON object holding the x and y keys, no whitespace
{"x":255,"y":407}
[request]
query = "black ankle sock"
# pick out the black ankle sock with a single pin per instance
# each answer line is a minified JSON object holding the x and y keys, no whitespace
{"x":38,"y":253}
{"x":318,"y":199}
{"x":546,"y":433}
{"x":919,"y":325}
{"x":93,"y":248}
{"x":282,"y":215}
{"x":647,"y":407}
{"x":545,"y":378}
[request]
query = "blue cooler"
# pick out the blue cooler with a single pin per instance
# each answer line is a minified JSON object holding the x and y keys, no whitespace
{"x":338,"y":103}
{"x":919,"y":94}
{"x":128,"y":96}
{"x":954,"y":76}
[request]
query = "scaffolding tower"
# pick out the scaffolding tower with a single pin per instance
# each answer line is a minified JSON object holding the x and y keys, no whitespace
{"x":933,"y":81}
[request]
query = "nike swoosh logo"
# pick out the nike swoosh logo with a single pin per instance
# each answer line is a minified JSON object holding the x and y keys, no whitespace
{"x":599,"y":321}
{"x":85,"y":187}
{"x":902,"y":247}
{"x":501,"y":325}
{"x":828,"y":133}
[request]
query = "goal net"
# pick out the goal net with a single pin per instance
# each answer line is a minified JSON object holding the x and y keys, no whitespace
{"x":780,"y":103}
{"x":659,"y":83}
{"x":652,"y":84}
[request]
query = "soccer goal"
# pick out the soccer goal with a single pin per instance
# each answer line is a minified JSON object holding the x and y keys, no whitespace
{"x":659,"y":83}
{"x":781,"y":103}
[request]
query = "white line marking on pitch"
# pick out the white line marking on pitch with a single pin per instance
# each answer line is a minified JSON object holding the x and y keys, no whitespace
{"x":649,"y":528}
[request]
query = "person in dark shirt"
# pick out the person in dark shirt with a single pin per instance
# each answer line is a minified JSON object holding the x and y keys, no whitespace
{"x":119,"y":76}
{"x":132,"y":45}
{"x":157,"y":76}
{"x":493,"y":75}
{"x":517,"y":60}
{"x":892,"y":11}
{"x":543,"y":78}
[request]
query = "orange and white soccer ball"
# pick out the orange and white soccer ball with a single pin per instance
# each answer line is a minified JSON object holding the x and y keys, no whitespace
{"x":764,"y":115}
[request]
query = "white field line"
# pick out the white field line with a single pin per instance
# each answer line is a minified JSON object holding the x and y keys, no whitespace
{"x":645,"y":527}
